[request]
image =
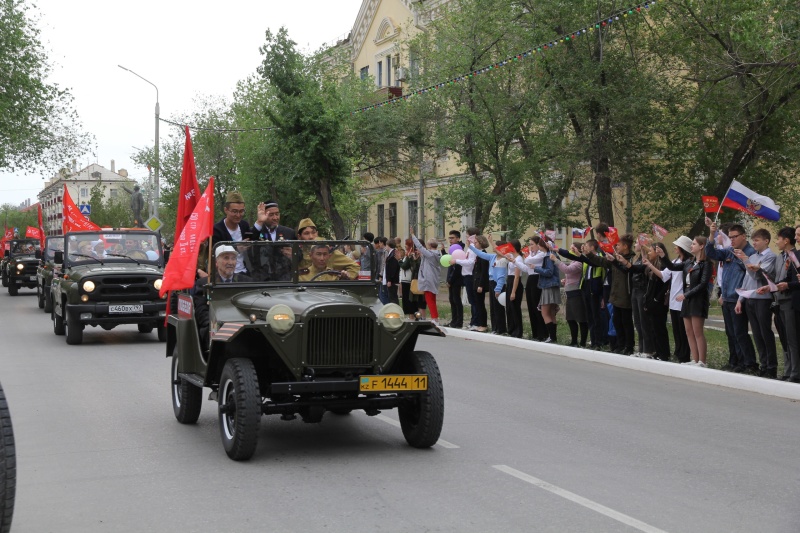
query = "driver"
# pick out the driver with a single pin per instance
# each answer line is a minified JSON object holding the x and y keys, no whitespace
{"x":307,"y":231}
{"x":320,"y":262}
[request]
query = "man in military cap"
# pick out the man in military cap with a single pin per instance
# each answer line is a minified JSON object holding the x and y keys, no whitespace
{"x":335,"y":260}
{"x":233,"y":227}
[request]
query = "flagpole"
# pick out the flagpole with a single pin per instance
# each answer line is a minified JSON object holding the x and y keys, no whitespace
{"x":716,"y":217}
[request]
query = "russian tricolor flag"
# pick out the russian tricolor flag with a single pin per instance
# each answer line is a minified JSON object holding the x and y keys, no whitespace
{"x":741,"y":198}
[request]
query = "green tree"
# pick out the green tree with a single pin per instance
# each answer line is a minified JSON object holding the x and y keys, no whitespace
{"x":38,"y":126}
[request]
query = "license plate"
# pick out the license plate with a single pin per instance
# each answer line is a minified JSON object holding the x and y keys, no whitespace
{"x":125,"y":308}
{"x":393,"y":383}
{"x":31,"y":278}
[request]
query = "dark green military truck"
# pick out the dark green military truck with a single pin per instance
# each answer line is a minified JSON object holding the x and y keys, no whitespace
{"x":299,"y":337}
{"x":108,"y":278}
{"x":44,"y":272}
{"x":19,"y":265}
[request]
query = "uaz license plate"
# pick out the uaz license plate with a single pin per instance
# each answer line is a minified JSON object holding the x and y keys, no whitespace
{"x":393,"y":383}
{"x":125,"y":308}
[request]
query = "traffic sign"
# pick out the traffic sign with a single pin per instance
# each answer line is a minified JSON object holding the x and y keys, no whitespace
{"x":85,"y":209}
{"x":153,"y":223}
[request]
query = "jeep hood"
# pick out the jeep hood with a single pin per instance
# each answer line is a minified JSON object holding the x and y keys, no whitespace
{"x":299,"y":301}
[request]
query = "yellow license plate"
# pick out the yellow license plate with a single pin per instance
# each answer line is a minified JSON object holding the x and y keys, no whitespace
{"x":394,"y":383}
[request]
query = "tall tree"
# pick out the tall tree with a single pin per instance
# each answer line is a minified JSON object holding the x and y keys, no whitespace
{"x":38,"y":126}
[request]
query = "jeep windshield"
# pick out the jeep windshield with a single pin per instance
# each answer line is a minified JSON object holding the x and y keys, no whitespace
{"x":303,"y":262}
{"x":52,"y":245}
{"x":24,"y":247}
{"x":113,"y":246}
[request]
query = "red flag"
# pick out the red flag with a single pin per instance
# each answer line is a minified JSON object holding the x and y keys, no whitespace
{"x":659,"y":232}
{"x":180,"y":270}
{"x":504,"y":249}
{"x":33,"y":233}
{"x":710,"y":204}
{"x":190,"y":190}
{"x":613,"y":238}
{"x":73,"y":219}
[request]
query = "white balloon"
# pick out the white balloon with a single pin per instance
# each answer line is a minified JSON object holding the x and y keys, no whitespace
{"x":502,"y":299}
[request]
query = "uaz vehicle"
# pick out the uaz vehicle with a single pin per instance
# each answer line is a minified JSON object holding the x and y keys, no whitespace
{"x":19,"y":265}
{"x":298,"y":337}
{"x":108,"y":278}
{"x":44,"y":272}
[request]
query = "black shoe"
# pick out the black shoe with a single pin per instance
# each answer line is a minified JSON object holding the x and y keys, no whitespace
{"x":794,"y":380}
{"x":751,"y":371}
{"x":784,"y":378}
{"x":617,"y":351}
{"x":573,"y":345}
{"x":728,"y":368}
{"x":627,"y":351}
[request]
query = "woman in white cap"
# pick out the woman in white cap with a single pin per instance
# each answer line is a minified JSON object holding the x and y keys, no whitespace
{"x":697,"y":273}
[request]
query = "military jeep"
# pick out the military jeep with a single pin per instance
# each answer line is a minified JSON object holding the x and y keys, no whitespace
{"x":107,"y":278}
{"x":299,"y":336}
{"x":20,"y":263}
{"x":44,"y":272}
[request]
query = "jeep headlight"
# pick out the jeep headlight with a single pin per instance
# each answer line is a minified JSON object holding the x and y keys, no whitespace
{"x":391,"y":317}
{"x":157,"y":284}
{"x":20,"y":266}
{"x":280,"y":318}
{"x":88,"y":286}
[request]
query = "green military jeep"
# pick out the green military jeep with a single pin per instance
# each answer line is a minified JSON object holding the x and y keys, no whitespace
{"x":44,"y":272}
{"x":108,"y":278}
{"x":303,"y":333}
{"x":20,"y":263}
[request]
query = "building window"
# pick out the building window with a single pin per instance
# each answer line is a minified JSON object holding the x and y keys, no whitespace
{"x":392,"y":220}
{"x":379,"y":78}
{"x":381,"y":221}
{"x":365,"y":73}
{"x":388,"y":71}
{"x":364,"y":219}
{"x":438,"y":214}
{"x":84,"y":192}
{"x":112,"y":193}
{"x":413,"y":221}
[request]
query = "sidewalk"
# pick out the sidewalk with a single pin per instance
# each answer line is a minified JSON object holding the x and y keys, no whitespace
{"x":769,"y":387}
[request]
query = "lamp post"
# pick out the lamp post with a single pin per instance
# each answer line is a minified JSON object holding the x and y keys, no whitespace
{"x":157,"y":165}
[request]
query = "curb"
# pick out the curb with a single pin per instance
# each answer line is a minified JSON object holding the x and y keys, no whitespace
{"x":710,"y":376}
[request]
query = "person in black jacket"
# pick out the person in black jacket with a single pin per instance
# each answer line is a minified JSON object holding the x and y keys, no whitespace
{"x":481,"y":283}
{"x":454,"y":284}
{"x":267,"y":226}
{"x":233,"y":227}
{"x":392,"y":271}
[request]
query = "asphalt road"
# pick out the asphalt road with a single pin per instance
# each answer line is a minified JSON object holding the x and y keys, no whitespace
{"x":531,"y":442}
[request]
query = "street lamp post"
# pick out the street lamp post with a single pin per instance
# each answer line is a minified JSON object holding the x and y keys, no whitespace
{"x":157,"y":165}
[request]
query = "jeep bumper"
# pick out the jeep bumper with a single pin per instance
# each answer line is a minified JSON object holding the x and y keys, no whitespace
{"x":98,"y":313}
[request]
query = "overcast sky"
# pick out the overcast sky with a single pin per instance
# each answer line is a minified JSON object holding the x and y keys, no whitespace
{"x":184,"y":48}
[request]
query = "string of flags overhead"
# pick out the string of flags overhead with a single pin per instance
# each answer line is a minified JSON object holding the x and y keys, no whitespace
{"x":529,"y":53}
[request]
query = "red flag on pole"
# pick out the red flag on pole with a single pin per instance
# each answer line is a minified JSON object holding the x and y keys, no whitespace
{"x":190,"y":190}
{"x":180,"y":270}
{"x":73,"y":219}
{"x":659,"y":232}
{"x":33,"y":233}
{"x":710,"y":204}
{"x":613,"y":238}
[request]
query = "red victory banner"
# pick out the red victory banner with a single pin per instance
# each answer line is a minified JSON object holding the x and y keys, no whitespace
{"x":190,"y":190}
{"x":73,"y":219}
{"x":504,"y":249}
{"x":710,"y":204}
{"x":33,"y":233}
{"x":180,"y":270}
{"x":659,"y":232}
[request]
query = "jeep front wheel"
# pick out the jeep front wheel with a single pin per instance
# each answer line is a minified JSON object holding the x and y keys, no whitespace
{"x":239,"y":408}
{"x":48,"y":302}
{"x":39,"y":298}
{"x":58,"y":324}
{"x":421,"y":418}
{"x":74,"y":329}
{"x":186,"y":398}
{"x":12,"y":288}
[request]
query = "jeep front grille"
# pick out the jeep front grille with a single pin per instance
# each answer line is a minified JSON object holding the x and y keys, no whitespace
{"x":337,"y":342}
{"x":123,"y":288}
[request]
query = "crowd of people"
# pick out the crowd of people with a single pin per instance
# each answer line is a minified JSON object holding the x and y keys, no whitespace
{"x":620,"y":292}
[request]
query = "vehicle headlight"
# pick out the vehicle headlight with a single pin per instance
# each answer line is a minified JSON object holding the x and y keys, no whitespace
{"x":20,"y":266}
{"x":391,"y":317}
{"x":280,"y":318}
{"x":157,"y":284}
{"x":88,"y":286}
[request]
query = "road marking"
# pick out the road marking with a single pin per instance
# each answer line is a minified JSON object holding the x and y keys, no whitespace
{"x":441,"y":442}
{"x":580,"y":500}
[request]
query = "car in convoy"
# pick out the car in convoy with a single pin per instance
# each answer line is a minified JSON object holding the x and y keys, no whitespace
{"x":299,"y":336}
{"x":19,"y":264}
{"x":107,"y":278}
{"x":44,"y":272}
